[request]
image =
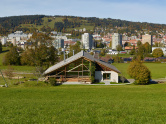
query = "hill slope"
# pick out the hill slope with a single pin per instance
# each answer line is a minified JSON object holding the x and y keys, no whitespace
{"x":30,"y":23}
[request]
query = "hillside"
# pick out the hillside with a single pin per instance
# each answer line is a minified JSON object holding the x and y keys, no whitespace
{"x":31,"y":23}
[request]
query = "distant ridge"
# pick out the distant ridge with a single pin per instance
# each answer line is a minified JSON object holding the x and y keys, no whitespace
{"x":31,"y":23}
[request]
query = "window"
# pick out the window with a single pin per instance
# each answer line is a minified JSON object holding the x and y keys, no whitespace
{"x":106,"y":76}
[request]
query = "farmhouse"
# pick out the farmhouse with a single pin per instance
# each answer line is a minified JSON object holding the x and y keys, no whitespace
{"x":82,"y":67}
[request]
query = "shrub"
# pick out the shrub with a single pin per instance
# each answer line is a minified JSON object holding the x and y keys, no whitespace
{"x":52,"y":81}
{"x":157,"y":53}
{"x":139,"y":72}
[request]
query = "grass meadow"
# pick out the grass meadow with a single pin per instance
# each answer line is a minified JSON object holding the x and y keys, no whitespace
{"x":58,"y":19}
{"x":158,"y":70}
{"x":126,"y":104}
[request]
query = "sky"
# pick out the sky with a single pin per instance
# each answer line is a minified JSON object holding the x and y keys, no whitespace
{"x":152,"y":11}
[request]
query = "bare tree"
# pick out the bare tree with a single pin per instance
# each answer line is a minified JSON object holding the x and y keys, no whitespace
{"x":38,"y":71}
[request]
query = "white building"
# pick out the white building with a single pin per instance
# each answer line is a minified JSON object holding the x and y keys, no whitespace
{"x":54,"y":32}
{"x":84,"y":29}
{"x":18,"y":35}
{"x":87,"y":41}
{"x":112,"y":52}
{"x":58,"y":43}
{"x":97,"y":37}
{"x":116,"y":40}
{"x":163,"y":49}
{"x":3,"y":40}
{"x":60,"y":37}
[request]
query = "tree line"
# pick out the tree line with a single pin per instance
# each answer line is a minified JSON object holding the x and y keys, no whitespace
{"x":11,"y":24}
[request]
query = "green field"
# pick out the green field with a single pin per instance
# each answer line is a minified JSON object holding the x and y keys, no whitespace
{"x":58,"y":19}
{"x":158,"y":70}
{"x":128,"y":104}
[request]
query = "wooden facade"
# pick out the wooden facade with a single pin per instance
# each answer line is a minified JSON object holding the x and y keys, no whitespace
{"x":77,"y":71}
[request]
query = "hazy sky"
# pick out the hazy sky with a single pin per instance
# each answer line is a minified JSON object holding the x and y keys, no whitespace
{"x":131,"y":10}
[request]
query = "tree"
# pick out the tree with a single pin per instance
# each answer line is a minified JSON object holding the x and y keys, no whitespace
{"x":117,"y":59}
{"x":0,"y":47}
{"x":40,"y":38}
{"x":141,"y":51}
{"x":52,"y":52}
{"x":102,"y":53}
{"x":43,"y":53}
{"x":119,"y":48}
{"x":148,"y":47}
{"x":38,"y":71}
{"x":75,"y":47}
{"x":139,"y":43}
{"x":28,"y":57}
{"x":157,"y":53}
{"x":139,"y":72}
{"x":12,"y":57}
{"x":132,"y":52}
{"x":59,"y":26}
{"x":127,"y":44}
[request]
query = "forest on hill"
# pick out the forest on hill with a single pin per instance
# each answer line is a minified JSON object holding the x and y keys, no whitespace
{"x":31,"y":23}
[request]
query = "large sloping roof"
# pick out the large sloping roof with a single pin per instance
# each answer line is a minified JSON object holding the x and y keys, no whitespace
{"x":76,"y":57}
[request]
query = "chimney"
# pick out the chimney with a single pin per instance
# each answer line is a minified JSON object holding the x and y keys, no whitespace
{"x":64,"y":55}
{"x":73,"y":52}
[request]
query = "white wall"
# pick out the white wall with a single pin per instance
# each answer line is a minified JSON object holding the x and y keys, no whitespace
{"x":99,"y":76}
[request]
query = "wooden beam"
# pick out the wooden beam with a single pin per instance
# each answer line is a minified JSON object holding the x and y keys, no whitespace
{"x":110,"y":69}
{"x":80,"y":71}
{"x":60,"y":72}
{"x":65,"y":73}
{"x":87,"y":59}
{"x":105,"y":67}
{"x":86,"y":67}
{"x":74,"y":68}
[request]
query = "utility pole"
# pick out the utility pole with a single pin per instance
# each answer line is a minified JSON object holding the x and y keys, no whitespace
{"x":4,"y":79}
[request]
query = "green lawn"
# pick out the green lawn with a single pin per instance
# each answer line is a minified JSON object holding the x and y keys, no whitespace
{"x":157,"y":69}
{"x":128,"y":104}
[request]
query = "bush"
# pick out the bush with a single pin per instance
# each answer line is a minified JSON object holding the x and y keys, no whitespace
{"x":139,"y":72}
{"x":157,"y":53}
{"x":92,"y":79}
{"x":52,"y":81}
